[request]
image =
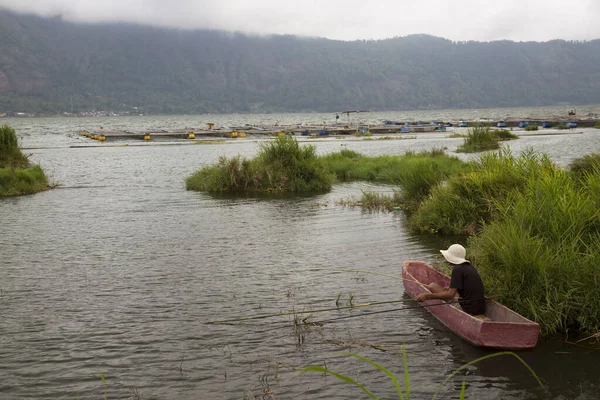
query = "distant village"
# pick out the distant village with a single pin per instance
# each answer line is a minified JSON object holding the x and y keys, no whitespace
{"x":92,"y":113}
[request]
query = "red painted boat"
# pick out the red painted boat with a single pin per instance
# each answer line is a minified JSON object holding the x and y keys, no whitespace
{"x":501,"y":329}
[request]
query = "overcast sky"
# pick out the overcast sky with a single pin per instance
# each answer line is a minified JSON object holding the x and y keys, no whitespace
{"x":483,"y":20}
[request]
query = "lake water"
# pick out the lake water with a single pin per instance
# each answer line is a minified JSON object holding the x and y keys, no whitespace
{"x":119,"y":269}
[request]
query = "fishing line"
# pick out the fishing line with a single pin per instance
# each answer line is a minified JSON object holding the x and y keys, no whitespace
{"x":374,"y":303}
{"x":381,"y":312}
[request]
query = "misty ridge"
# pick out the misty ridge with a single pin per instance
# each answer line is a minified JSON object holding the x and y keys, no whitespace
{"x":51,"y":66}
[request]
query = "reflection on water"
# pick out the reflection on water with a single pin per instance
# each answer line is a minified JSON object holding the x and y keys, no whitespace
{"x":120,"y":268}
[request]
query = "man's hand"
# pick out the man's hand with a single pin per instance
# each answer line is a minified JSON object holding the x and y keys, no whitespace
{"x":424,"y":296}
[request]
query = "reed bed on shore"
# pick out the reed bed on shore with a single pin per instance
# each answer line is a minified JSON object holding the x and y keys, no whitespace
{"x":540,"y":257}
{"x":582,"y":166}
{"x":467,"y":201}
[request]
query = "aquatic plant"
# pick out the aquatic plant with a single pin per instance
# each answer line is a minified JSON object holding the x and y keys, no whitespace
{"x":479,"y":139}
{"x":468,"y":200}
{"x":377,"y":201}
{"x":531,"y":127}
{"x":17,"y":176}
{"x":10,"y":154}
{"x":15,"y":182}
{"x":562,"y":126}
{"x":415,"y":173}
{"x":580,"y":166}
{"x":282,"y":165}
{"x":504,"y":134}
{"x":540,"y":256}
{"x":405,"y":393}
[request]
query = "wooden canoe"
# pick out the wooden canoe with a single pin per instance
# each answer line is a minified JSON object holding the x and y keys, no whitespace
{"x":502,"y":329}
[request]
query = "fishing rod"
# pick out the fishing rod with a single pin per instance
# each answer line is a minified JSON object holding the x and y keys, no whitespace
{"x":381,"y":312}
{"x":357,"y":271}
{"x":374,"y":303}
{"x":225,"y":321}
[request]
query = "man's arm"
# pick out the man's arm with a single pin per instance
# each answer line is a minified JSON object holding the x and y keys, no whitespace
{"x":445,"y":295}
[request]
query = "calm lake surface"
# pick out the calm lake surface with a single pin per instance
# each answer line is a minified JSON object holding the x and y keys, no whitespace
{"x":119,"y":269}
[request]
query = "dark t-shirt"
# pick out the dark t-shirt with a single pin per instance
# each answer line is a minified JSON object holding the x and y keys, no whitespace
{"x":467,"y":281}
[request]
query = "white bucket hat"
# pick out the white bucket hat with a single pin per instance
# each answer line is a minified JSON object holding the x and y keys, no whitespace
{"x":455,"y":254}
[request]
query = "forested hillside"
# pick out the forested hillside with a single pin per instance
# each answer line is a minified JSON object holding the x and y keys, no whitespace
{"x":50,"y":66}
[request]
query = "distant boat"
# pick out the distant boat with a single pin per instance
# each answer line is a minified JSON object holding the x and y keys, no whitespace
{"x":501,"y":328}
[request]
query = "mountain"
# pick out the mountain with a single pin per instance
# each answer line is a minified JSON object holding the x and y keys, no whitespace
{"x":49,"y":65}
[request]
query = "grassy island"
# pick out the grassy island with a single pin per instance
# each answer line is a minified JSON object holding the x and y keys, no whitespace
{"x":17,"y":175}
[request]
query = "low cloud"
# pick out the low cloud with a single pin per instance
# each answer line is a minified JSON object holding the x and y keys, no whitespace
{"x":483,"y":20}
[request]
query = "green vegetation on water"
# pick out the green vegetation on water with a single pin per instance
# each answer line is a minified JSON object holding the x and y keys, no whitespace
{"x":282,"y":165}
{"x":534,"y":228}
{"x":415,"y":173}
{"x":17,"y":176}
{"x":541,"y":255}
{"x":562,"y":126}
{"x":482,"y":138}
{"x":531,"y":128}
{"x":467,"y":201}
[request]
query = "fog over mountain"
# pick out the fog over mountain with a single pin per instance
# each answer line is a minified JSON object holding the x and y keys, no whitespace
{"x":49,"y":65}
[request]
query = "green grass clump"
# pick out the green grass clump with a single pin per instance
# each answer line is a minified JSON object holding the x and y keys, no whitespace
{"x":17,"y":176}
{"x":20,"y":181}
{"x":415,"y":173}
{"x":377,"y":201}
{"x":479,"y":139}
{"x":282,"y":165}
{"x":504,"y":134}
{"x":10,"y":154}
{"x":468,"y":200}
{"x":597,"y":125}
{"x":562,"y":126}
{"x":581,"y":166}
{"x":531,"y":128}
{"x":541,"y":256}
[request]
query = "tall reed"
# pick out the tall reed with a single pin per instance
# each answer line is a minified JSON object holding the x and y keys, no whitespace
{"x":10,"y":154}
{"x":468,"y":200}
{"x":478,"y":139}
{"x":282,"y":165}
{"x":541,"y":256}
{"x":580,"y":166}
{"x":415,"y":173}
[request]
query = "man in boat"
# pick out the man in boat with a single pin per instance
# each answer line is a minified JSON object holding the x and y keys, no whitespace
{"x":465,"y":281}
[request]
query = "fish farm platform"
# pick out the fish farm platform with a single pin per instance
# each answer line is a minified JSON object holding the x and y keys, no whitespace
{"x":388,"y":127}
{"x":190,"y":133}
